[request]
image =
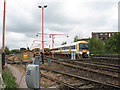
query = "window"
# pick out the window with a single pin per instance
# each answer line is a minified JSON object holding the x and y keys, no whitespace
{"x":96,"y":35}
{"x":37,"y":50}
{"x":56,"y":49}
{"x":63,"y":48}
{"x":73,"y":47}
{"x":83,"y":46}
{"x":46,"y":49}
{"x":66,"y":48}
{"x":103,"y":38}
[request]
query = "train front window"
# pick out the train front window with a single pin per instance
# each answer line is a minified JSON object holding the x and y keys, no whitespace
{"x":46,"y":50}
{"x":37,"y":50}
{"x":83,"y":46}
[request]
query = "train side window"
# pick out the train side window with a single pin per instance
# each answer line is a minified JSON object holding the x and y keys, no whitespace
{"x":63,"y":48}
{"x":73,"y":47}
{"x":67,"y":48}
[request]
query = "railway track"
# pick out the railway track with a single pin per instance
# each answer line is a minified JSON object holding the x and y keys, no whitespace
{"x":83,"y":78}
{"x":112,"y":56}
{"x":88,"y":74}
{"x":101,"y":63}
{"x":104,"y":70}
{"x":102,"y":67}
{"x":88,"y":69}
{"x":70,"y":86}
{"x":113,"y":75}
{"x":93,"y":64}
{"x":105,"y":58}
{"x":73,"y":65}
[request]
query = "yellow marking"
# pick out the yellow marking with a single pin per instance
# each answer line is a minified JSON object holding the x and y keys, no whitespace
{"x":25,"y":56}
{"x":70,"y":49}
{"x":84,"y":50}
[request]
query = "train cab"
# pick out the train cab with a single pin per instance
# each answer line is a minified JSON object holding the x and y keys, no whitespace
{"x":36,"y":51}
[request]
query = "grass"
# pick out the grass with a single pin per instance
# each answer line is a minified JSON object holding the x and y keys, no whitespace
{"x":9,"y":79}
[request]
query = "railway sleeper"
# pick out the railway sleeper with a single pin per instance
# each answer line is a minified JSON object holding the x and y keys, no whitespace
{"x":86,"y":79}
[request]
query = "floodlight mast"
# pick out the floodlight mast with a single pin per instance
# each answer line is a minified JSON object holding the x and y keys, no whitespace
{"x":42,"y":30}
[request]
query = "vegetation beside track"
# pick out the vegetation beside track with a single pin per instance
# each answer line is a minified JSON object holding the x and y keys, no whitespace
{"x":9,"y":79}
{"x":111,"y":47}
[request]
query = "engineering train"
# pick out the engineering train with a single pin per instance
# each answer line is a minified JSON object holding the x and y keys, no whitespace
{"x":80,"y":48}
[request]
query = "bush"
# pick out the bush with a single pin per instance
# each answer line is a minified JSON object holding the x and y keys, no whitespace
{"x":113,"y":44}
{"x":96,"y":46}
{"x":9,"y":79}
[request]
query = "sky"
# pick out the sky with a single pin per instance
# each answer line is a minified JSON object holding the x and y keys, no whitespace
{"x":72,"y":17}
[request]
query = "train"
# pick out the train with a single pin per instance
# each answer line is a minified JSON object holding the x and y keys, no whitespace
{"x":38,"y":51}
{"x":80,"y":48}
{"x":46,"y":51}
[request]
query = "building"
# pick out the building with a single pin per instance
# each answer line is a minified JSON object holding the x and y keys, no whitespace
{"x":84,"y":39}
{"x":103,"y":35}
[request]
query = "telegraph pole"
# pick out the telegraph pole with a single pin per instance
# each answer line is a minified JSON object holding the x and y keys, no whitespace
{"x":3,"y":41}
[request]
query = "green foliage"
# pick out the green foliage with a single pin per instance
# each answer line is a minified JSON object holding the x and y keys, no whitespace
{"x":113,"y":44}
{"x":15,"y":51}
{"x":9,"y":79}
{"x":63,"y":43}
{"x":75,"y":38}
{"x":96,"y":46}
{"x":7,"y":51}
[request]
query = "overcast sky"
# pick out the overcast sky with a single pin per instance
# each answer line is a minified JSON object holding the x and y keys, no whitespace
{"x":72,"y":17}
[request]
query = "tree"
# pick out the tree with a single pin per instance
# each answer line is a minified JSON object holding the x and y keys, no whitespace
{"x":63,"y":43}
{"x":96,"y":45}
{"x":75,"y":38}
{"x":113,"y":43}
{"x":7,"y":51}
{"x":15,"y":51}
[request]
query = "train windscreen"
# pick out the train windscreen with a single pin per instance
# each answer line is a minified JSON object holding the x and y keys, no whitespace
{"x":83,"y":46}
{"x":37,"y":50}
{"x":46,"y":50}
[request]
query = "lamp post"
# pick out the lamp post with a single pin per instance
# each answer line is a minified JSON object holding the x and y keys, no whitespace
{"x":3,"y":43}
{"x":42,"y":31}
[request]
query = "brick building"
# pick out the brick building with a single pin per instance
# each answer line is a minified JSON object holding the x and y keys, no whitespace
{"x":103,"y":35}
